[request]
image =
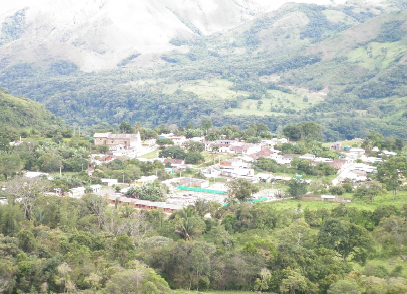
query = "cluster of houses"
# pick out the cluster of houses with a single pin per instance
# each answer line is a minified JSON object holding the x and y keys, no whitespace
{"x":240,"y":166}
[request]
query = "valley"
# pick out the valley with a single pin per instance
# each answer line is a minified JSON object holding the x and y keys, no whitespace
{"x":226,"y":146}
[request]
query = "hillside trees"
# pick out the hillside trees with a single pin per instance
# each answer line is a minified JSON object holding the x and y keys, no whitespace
{"x":297,"y":188}
{"x":346,"y":238}
{"x":150,"y":191}
{"x":241,"y":189}
{"x":304,"y":130}
{"x":26,"y":190}
{"x":368,"y":190}
{"x":390,"y":173}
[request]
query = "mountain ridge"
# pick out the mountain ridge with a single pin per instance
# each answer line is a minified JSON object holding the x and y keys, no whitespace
{"x":99,"y":34}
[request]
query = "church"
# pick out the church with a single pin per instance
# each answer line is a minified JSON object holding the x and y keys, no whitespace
{"x":118,"y":142}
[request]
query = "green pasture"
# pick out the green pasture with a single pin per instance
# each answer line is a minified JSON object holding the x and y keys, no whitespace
{"x":376,"y":54}
{"x":276,"y":100}
{"x":206,"y":89}
{"x":385,"y":199}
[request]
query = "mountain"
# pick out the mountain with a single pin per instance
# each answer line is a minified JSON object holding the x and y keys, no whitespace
{"x":342,"y":66}
{"x":20,"y":114}
{"x":100,"y":34}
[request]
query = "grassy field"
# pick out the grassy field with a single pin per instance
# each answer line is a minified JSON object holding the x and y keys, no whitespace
{"x":206,"y":89}
{"x":219,"y":89}
{"x":375,"y":54}
{"x":277,"y":100}
{"x":150,"y":155}
{"x":385,"y":199}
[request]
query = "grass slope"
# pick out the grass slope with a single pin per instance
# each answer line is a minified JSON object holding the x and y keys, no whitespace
{"x":22,"y":113}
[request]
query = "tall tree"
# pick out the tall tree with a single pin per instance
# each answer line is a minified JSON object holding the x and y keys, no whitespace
{"x":368,"y":190}
{"x":391,"y":172}
{"x":241,"y":189}
{"x":392,"y":230}
{"x":346,"y":238}
{"x":125,"y":127}
{"x":297,"y":188}
{"x":26,"y":191}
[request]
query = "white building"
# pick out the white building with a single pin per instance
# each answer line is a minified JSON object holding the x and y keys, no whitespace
{"x":357,"y":151}
{"x":76,"y":192}
{"x":96,"y":188}
{"x":109,"y":182}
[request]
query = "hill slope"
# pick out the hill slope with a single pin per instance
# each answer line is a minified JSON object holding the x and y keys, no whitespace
{"x":18,"y":114}
{"x":341,"y":66}
{"x":99,"y":34}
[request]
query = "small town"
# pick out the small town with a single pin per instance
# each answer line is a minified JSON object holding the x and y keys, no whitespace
{"x":230,"y":159}
{"x":203,"y":146}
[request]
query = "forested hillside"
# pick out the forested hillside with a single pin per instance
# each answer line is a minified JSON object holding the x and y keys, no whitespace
{"x":21,"y":114}
{"x":341,"y":66}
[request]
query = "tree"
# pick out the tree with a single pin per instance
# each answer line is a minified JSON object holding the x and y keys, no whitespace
{"x":293,"y":281}
{"x":344,"y":287}
{"x":292,"y":132}
{"x":194,"y":158}
{"x":76,"y":164}
{"x":27,"y":191}
{"x":392,"y":230}
{"x":310,"y":130}
{"x":137,"y":279}
{"x":241,"y":189}
{"x":207,"y":124}
{"x":196,"y":146}
{"x":164,"y":142}
{"x":346,"y":238}
{"x":188,"y":224}
{"x":125,"y":127}
{"x":173,"y":152}
{"x":266,"y":164}
{"x":368,"y":190}
{"x":50,"y":162}
{"x":10,"y":164}
{"x":200,"y":262}
{"x":297,"y":188}
{"x":97,"y":206}
{"x":336,"y":190}
{"x":213,"y":136}
{"x":391,"y":172}
{"x":150,"y":191}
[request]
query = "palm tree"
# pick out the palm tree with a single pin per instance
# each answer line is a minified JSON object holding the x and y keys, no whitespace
{"x":201,"y":207}
{"x":367,"y":145}
{"x":189,"y":223}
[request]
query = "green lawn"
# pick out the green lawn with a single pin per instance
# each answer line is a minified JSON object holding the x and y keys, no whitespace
{"x":150,"y":155}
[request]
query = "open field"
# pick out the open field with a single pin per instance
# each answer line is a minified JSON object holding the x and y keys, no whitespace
{"x":385,"y":199}
{"x":376,"y":54}
{"x":150,"y":155}
{"x":276,"y":102}
{"x":206,"y":89}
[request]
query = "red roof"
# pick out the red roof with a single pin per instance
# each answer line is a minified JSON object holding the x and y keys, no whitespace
{"x":264,"y":153}
{"x":337,"y":163}
{"x":239,"y":148}
{"x":174,"y":161}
